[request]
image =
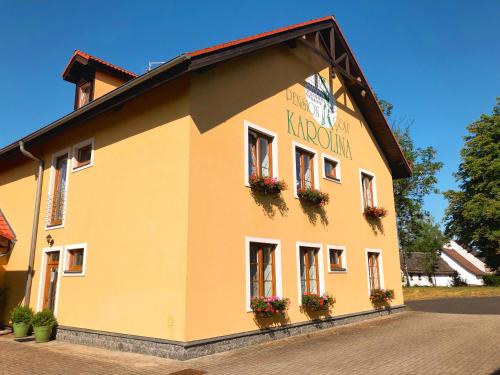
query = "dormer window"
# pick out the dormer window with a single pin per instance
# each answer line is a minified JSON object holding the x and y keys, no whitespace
{"x":83,"y":94}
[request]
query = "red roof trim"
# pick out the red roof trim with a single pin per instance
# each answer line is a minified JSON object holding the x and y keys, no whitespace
{"x":257,"y":36}
{"x":98,"y":60}
{"x":5,"y":229}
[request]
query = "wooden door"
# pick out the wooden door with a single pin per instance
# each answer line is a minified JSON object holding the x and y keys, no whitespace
{"x":50,"y":283}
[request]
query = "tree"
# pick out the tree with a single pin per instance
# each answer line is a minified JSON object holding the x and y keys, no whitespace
{"x":413,"y":222}
{"x":473,"y":213}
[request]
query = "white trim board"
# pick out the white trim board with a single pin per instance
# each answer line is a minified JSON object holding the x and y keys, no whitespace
{"x":51,"y":185}
{"x":46,"y":250}
{"x":380,"y":268}
{"x":294,"y":165}
{"x":374,"y":187}
{"x":277,"y":266}
{"x":337,"y":168}
{"x":344,"y":257}
{"x":74,"y":150}
{"x":274,"y":146}
{"x":67,"y":248}
{"x":321,"y":275}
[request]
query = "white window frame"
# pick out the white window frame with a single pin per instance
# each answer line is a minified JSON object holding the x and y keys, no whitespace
{"x":296,"y":145}
{"x":321,"y":275}
{"x":380,"y":268}
{"x":344,"y":258}
{"x":277,"y":266}
{"x":374,"y":187}
{"x":247,"y":126}
{"x":39,"y":304}
{"x":74,"y":153}
{"x":51,"y":185}
{"x":67,"y":249}
{"x":337,"y":168}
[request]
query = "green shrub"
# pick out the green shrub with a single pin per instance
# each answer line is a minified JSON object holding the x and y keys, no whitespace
{"x":457,"y":280}
{"x":21,"y":314}
{"x":44,"y":318}
{"x":491,"y":280}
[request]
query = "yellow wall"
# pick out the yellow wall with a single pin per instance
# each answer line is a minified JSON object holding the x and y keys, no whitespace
{"x":164,"y":209}
{"x":222,"y":210}
{"x":104,"y":83}
{"x":130,"y":208}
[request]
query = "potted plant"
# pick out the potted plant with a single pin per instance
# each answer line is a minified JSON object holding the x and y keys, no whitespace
{"x":313,"y":197}
{"x":267,"y":307}
{"x":267,"y":185}
{"x":381,"y":296}
{"x":21,"y":320}
{"x":375,"y":212}
{"x":315,"y":302}
{"x":43,"y":323}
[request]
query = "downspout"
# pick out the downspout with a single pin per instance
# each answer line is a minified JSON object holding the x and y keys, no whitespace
{"x":36,"y":215}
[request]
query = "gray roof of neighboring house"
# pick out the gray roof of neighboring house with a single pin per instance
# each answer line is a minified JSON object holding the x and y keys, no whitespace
{"x":414,"y":264}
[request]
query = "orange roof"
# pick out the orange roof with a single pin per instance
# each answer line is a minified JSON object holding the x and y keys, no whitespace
{"x":5,"y":229}
{"x":97,"y":60}
{"x":257,"y":36}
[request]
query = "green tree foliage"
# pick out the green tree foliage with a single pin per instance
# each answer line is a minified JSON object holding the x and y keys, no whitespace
{"x":416,"y":230}
{"x":473,"y":213}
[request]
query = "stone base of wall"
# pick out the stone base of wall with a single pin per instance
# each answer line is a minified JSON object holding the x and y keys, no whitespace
{"x":192,"y":349}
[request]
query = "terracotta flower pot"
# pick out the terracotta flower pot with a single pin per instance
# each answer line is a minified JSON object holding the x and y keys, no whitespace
{"x":20,"y":329}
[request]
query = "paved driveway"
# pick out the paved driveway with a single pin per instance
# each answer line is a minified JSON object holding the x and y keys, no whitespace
{"x":410,"y":343}
{"x":472,"y":305}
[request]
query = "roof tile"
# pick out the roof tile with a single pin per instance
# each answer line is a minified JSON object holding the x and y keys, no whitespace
{"x":5,"y":229}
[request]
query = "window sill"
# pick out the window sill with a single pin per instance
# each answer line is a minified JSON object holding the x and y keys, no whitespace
{"x":83,"y":166}
{"x":339,"y":270}
{"x":73,"y":273}
{"x":336,"y":180}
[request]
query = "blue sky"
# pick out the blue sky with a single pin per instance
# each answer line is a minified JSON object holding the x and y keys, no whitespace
{"x":438,"y":62}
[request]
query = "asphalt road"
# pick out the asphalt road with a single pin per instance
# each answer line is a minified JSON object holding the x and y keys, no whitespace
{"x":471,"y":305}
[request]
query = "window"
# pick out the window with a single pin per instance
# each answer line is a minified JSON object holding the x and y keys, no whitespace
{"x":57,"y":195}
{"x":368,"y":190}
{"x":74,"y":262}
{"x":83,"y":155}
{"x":309,"y":270}
{"x":373,"y":271}
{"x":83,"y":94}
{"x":331,"y":168}
{"x":260,"y":154}
{"x":304,"y":169}
{"x":337,"y":259}
{"x":262,"y":270}
{"x":261,"y":151}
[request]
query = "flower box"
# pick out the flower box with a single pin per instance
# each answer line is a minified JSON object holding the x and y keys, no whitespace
{"x":313,"y":196}
{"x":267,"y":185}
{"x":315,"y":302}
{"x":378,"y":296}
{"x":375,"y":212}
{"x":267,"y":307}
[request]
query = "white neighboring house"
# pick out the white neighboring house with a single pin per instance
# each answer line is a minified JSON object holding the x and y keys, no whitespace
{"x":418,"y":277}
{"x":470,"y":268}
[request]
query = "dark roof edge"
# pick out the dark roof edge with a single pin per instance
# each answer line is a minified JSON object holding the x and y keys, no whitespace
{"x":8,"y":224}
{"x":98,"y":103}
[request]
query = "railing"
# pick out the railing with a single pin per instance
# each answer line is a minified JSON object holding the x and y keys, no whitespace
{"x":56,"y":208}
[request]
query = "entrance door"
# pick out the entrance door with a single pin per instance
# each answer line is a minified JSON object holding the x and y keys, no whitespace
{"x":51,"y":273}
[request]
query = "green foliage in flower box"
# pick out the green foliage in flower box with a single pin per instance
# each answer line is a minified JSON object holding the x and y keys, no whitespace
{"x":266,"y":307}
{"x":317,"y":302}
{"x":267,"y":185}
{"x":375,"y":212}
{"x":313,"y":196}
{"x":381,"y":295}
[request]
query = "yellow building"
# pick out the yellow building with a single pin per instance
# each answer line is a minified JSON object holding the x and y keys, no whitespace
{"x":152,"y":234}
